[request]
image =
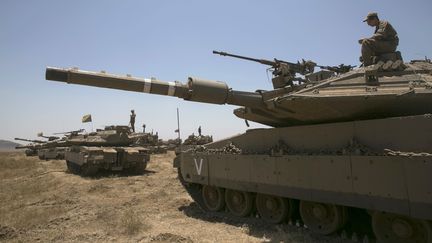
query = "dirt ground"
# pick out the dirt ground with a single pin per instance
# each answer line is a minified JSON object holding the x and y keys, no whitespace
{"x":41,"y":201}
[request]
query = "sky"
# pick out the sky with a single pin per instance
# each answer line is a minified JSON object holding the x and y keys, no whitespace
{"x":173,"y":40}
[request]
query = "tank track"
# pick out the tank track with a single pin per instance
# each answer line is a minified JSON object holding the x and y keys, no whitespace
{"x":352,"y":232}
{"x":194,"y":190}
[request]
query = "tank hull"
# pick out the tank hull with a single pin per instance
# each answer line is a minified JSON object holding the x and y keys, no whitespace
{"x":378,"y":166}
{"x":52,"y":153}
{"x":88,"y":161}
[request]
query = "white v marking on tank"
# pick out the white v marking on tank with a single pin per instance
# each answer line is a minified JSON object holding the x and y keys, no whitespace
{"x":198,"y":167}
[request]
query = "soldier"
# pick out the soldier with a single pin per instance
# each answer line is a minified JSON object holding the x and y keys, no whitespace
{"x":132,"y":120}
{"x":199,"y":131}
{"x":144,"y":126}
{"x":384,"y":40}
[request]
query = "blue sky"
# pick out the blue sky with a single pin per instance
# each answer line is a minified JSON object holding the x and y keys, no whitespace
{"x":172,"y":40}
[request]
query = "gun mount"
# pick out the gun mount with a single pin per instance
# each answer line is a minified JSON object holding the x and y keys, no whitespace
{"x":284,"y":73}
{"x":342,"y":68}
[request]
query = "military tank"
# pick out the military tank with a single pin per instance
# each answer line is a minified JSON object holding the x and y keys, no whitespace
{"x":53,"y":148}
{"x":30,"y":149}
{"x":106,"y":149}
{"x":193,"y":141}
{"x":341,"y":141}
{"x":150,"y":141}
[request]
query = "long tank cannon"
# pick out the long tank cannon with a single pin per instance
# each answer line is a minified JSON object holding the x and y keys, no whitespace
{"x":321,"y":99}
{"x":214,"y":92}
{"x":30,"y":140}
{"x":50,"y":138}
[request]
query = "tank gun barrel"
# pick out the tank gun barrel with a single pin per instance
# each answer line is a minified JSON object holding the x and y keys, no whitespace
{"x":70,"y":132}
{"x":342,"y":68}
{"x":262,"y":61}
{"x":50,"y":138}
{"x":26,"y":146}
{"x":30,"y":140}
{"x":303,"y":67}
{"x":198,"y":90}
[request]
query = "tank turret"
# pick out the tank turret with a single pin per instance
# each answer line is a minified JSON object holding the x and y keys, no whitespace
{"x":318,"y":98}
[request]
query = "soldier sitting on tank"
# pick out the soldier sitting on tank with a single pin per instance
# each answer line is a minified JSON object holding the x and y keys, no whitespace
{"x":384,"y":40}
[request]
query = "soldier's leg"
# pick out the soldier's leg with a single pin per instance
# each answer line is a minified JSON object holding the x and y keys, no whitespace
{"x":381,"y":47}
{"x":367,"y":50}
{"x":371,"y":47}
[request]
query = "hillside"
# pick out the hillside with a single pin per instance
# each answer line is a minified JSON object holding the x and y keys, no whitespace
{"x":6,"y":145}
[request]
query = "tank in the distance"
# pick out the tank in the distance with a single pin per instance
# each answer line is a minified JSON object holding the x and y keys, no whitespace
{"x":30,"y":149}
{"x":108,"y":149}
{"x":150,"y":141}
{"x":345,"y":146}
{"x":193,"y":141}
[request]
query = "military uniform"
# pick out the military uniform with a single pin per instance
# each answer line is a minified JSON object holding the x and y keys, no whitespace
{"x":384,"y":40}
{"x":132,"y":121}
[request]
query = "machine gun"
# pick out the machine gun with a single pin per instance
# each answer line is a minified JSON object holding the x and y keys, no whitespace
{"x":50,"y":138}
{"x":342,"y":68}
{"x":30,"y":140}
{"x":71,"y":133}
{"x":284,"y":72}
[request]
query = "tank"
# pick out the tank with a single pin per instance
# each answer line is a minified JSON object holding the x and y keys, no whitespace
{"x":53,"y":148}
{"x":344,"y":146}
{"x":173,"y":143}
{"x":49,"y":153}
{"x":193,"y":141}
{"x":150,"y":141}
{"x":30,"y":149}
{"x":106,"y":149}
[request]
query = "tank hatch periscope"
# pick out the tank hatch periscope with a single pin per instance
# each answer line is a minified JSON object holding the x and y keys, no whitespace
{"x":357,"y":142}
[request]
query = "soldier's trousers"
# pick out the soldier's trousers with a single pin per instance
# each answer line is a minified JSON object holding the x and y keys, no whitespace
{"x":371,"y":47}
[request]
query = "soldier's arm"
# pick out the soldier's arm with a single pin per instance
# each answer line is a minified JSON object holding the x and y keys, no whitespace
{"x":382,"y":31}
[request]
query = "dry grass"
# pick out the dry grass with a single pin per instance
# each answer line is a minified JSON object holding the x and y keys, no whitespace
{"x":16,"y":164}
{"x":38,"y":206}
{"x":132,"y":223}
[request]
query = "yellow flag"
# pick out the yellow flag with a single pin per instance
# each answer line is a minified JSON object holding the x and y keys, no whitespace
{"x":86,"y":118}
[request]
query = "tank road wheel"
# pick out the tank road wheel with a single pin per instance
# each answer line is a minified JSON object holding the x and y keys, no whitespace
{"x":213,"y":198}
{"x":72,"y":168}
{"x":396,"y":228}
{"x":239,"y":203}
{"x":88,"y":170}
{"x":138,"y":169}
{"x":194,"y":190}
{"x":322,"y":218}
{"x":274,"y":209}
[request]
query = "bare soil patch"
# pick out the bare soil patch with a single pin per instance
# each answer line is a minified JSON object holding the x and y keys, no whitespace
{"x":41,"y":201}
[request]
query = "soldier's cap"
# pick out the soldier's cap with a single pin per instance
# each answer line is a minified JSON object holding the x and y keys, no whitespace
{"x":132,"y":110}
{"x":370,"y":15}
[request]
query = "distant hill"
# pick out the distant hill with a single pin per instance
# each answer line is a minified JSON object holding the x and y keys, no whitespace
{"x":7,"y":145}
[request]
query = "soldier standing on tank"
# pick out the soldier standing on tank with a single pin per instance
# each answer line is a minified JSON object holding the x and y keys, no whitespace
{"x":199,"y":131}
{"x":132,"y":120}
{"x":384,"y":40}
